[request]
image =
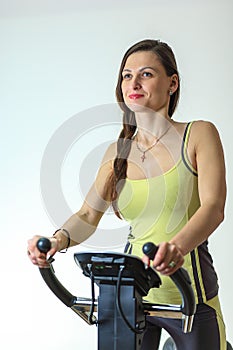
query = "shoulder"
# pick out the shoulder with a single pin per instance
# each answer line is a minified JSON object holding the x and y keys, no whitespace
{"x":110,"y":152}
{"x":204,"y":135}
{"x":108,"y":157}
{"x":197,"y":128}
{"x":203,"y":126}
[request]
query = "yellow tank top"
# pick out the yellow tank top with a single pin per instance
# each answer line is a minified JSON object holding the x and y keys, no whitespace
{"x":156,"y":209}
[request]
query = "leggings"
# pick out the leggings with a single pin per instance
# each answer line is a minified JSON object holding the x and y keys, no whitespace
{"x":208,"y":332}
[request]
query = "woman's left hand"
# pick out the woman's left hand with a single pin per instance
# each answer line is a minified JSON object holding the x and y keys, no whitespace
{"x":167,"y":260}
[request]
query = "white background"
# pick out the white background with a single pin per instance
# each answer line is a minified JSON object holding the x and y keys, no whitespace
{"x":58,"y":59}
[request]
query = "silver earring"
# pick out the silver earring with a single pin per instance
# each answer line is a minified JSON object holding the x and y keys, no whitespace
{"x":170,"y":92}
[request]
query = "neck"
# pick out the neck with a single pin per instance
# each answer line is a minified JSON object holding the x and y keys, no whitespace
{"x":151,"y":126}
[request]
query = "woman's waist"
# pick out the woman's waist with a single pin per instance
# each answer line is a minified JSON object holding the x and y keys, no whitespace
{"x":141,"y":234}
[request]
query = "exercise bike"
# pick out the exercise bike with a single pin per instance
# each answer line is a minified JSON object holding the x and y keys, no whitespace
{"x":170,"y":345}
{"x":123,"y":280}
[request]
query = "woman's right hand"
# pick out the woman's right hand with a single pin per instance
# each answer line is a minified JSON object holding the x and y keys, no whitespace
{"x":38,"y":258}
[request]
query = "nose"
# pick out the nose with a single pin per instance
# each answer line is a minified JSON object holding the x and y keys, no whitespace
{"x":136,"y":84}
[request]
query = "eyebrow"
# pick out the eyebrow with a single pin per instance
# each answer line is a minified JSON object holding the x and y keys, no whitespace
{"x":140,"y":70}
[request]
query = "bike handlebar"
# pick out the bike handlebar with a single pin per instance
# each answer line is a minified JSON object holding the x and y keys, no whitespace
{"x":80,"y":305}
{"x":181,"y":280}
{"x":44,"y":245}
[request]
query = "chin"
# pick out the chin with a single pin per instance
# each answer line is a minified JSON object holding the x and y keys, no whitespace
{"x":137,"y":107}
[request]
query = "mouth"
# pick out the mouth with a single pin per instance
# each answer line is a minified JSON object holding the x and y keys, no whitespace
{"x":135,"y":96}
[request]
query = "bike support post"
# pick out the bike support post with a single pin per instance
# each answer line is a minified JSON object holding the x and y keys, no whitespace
{"x":112,"y":331}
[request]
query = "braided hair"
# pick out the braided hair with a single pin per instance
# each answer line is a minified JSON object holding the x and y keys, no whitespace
{"x":167,"y":59}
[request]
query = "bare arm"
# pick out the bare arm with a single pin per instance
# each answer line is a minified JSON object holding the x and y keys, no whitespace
{"x":211,"y":186}
{"x":82,"y":224}
{"x":206,"y":154}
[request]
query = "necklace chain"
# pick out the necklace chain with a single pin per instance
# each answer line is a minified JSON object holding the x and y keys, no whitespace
{"x":143,"y":156}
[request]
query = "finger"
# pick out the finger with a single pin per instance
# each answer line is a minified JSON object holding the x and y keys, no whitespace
{"x":37,"y":258}
{"x":173,"y":266}
{"x":170,"y":270}
{"x":160,"y":254}
{"x":42,"y":262}
{"x":171,"y":258}
{"x":54,"y":246}
{"x":146,"y":261}
{"x":163,"y":256}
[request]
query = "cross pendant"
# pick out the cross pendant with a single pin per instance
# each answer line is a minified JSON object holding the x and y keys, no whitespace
{"x":143,"y":157}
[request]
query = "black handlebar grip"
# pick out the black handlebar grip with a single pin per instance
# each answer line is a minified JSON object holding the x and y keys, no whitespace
{"x":150,"y":249}
{"x":181,"y":280}
{"x":44,"y":245}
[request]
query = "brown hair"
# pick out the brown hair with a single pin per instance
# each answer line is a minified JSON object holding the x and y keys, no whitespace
{"x":167,"y":59}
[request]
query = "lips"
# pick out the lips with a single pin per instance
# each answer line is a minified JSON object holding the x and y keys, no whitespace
{"x":135,"y":96}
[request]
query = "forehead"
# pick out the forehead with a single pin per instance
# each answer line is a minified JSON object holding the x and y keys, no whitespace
{"x":142,"y":59}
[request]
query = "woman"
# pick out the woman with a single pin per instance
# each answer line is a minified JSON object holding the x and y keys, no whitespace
{"x":167,"y":179}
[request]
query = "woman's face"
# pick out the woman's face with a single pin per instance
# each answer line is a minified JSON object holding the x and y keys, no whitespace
{"x":145,"y":83}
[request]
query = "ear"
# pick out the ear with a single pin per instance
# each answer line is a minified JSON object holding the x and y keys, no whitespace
{"x":174,"y":83}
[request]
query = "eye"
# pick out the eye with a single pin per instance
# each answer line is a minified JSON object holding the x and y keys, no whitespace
{"x":147,"y":74}
{"x":126,"y":76}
